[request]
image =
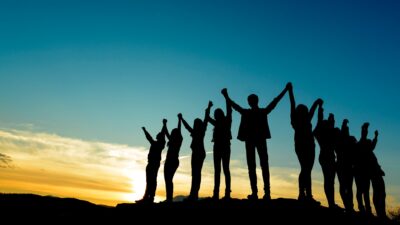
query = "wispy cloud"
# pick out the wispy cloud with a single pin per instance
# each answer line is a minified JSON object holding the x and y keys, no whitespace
{"x":5,"y":161}
{"x":57,"y":162}
{"x":109,"y":173}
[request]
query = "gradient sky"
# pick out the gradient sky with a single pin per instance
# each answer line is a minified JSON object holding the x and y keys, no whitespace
{"x":97,"y":71}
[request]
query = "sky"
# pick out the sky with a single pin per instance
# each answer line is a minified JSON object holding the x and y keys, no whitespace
{"x":78,"y":80}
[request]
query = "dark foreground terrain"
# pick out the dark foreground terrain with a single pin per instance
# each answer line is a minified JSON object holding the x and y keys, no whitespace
{"x":36,"y":209}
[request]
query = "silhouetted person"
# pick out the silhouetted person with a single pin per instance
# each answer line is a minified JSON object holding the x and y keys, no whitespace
{"x":172,"y":160}
{"x":254,"y":131}
{"x":346,"y":146}
{"x":222,"y":147}
{"x":378,"y":184}
{"x":368,"y":171}
{"x":301,"y":119}
{"x":364,"y":148}
{"x":324,"y":132}
{"x":198,"y":152}
{"x":153,"y":163}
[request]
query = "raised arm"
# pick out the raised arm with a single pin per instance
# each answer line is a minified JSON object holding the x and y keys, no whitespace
{"x":228,"y":110}
{"x":317,"y":103}
{"x":276,"y":100}
{"x":165,"y":129}
{"x":375,"y":141}
{"x":292,"y":101}
{"x":210,"y":120}
{"x":179,"y":122}
{"x":235,"y":106}
{"x":187,"y":126}
{"x":320,"y":114}
{"x":148,"y":136}
{"x":207,"y":113}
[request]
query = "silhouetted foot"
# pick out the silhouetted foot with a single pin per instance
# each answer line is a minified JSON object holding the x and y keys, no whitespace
{"x":335,"y":207}
{"x":349,"y":211}
{"x":215,"y":197}
{"x":191,"y":199}
{"x":252,"y":197}
{"x":267,"y":197}
{"x":168,"y":201}
{"x":312,"y":201}
{"x":227,"y":198}
{"x":302,"y":198}
{"x":145,"y":200}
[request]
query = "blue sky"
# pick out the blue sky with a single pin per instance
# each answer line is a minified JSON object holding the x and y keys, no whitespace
{"x":99,"y":70}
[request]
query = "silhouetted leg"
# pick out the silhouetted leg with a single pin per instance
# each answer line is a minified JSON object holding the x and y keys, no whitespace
{"x":366,"y":197}
{"x":251,"y":165}
{"x":379,"y":198}
{"x":342,"y":185}
{"x":168,"y":181}
{"x":329,"y":180}
{"x":153,"y":181}
{"x":359,"y":194}
{"x":350,"y":193}
{"x":148,"y":180}
{"x":194,"y":178}
{"x":309,"y":166}
{"x":169,"y":172}
{"x":217,"y":170}
{"x":198,"y":159}
{"x":348,"y":190}
{"x":263,"y":154}
{"x":300,"y":156}
{"x":226,"y":155}
{"x":201,"y":161}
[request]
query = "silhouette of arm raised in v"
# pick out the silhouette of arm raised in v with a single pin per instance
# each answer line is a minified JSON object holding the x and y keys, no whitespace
{"x":207,"y":114}
{"x":165,"y":129}
{"x":179,"y":122}
{"x":148,"y":136}
{"x":292,"y":102}
{"x":271,"y":106}
{"x":186,"y":125}
{"x":375,"y":141}
{"x":319,"y":102}
{"x":228,"y":106}
{"x":210,"y":120}
{"x":320,"y":114}
{"x":235,"y":106}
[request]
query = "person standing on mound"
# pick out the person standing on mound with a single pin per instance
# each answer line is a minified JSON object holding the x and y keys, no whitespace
{"x":153,"y":163}
{"x":301,"y":119}
{"x":172,"y":160}
{"x":198,"y":151}
{"x":254,"y":131}
{"x":222,"y":147}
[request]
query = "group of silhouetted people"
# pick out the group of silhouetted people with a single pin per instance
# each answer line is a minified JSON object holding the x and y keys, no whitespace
{"x":340,"y":153}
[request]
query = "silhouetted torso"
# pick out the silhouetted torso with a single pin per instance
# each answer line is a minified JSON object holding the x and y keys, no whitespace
{"x":156,"y":148}
{"x":326,"y":138}
{"x":222,"y":130}
{"x":303,"y":131}
{"x":174,"y":146}
{"x":198,"y":134}
{"x":254,"y":125}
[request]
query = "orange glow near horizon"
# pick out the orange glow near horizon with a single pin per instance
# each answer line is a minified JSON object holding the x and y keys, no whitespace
{"x":110,"y":174}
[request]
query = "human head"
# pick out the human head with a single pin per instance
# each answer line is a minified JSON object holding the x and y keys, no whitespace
{"x":197,"y":123}
{"x":302,"y":111}
{"x":175,"y":133}
{"x":160,"y":136}
{"x":219,"y":114}
{"x":345,"y":127}
{"x":253,"y":101}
